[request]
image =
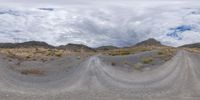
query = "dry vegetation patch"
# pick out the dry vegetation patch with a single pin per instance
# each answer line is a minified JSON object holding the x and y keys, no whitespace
{"x":138,"y":66}
{"x":32,"y":72}
{"x":113,"y":63}
{"x":127,"y":51}
{"x":147,"y":60}
{"x":194,"y":50}
{"x":166,"y":53}
{"x":39,"y":53}
{"x":163,"y":51}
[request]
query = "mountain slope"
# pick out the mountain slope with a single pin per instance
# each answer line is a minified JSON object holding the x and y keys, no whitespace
{"x":26,"y":45}
{"x":76,"y":47}
{"x":71,"y":47}
{"x":149,"y":42}
{"x":194,"y":45}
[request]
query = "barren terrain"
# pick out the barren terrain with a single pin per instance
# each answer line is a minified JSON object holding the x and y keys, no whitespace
{"x":145,"y":75}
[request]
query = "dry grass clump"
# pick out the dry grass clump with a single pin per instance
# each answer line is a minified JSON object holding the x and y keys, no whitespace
{"x":166,"y":53}
{"x":127,"y":51}
{"x":58,"y":54}
{"x":160,"y":53}
{"x":32,"y":72}
{"x":147,"y":60}
{"x":126,"y":63}
{"x":34,"y":53}
{"x":194,"y":50}
{"x":121,"y":53}
{"x":113,"y":63}
{"x":138,"y":66}
{"x":28,"y":56}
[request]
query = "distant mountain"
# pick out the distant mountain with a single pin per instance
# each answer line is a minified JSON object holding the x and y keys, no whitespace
{"x":104,"y":48}
{"x":194,"y":45}
{"x":149,"y":42}
{"x":76,"y":47}
{"x":71,"y":47}
{"x":26,"y":45}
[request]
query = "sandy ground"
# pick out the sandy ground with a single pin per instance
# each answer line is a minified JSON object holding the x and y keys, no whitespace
{"x":69,"y":78}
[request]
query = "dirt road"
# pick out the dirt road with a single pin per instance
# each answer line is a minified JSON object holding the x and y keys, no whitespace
{"x":177,"y":79}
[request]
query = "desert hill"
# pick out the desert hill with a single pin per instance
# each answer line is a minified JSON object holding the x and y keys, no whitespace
{"x":26,"y":45}
{"x":76,"y":47}
{"x":149,"y":42}
{"x":194,"y":45}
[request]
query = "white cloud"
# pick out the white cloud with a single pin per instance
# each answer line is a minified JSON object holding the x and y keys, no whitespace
{"x":115,"y":24}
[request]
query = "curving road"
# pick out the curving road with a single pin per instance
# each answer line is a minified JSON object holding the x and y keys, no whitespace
{"x":177,"y":79}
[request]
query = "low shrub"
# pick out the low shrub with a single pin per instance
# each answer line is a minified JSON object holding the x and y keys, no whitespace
{"x":147,"y":60}
{"x":113,"y":63}
{"x":160,"y":53}
{"x":58,"y":54}
{"x":28,"y":56}
{"x":138,"y":66}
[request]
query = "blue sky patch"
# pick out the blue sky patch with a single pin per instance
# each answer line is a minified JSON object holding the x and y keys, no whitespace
{"x":174,"y":32}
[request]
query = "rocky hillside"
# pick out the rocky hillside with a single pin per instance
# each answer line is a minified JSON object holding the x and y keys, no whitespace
{"x":194,"y":45}
{"x":149,"y":42}
{"x":76,"y":47}
{"x":26,"y":45}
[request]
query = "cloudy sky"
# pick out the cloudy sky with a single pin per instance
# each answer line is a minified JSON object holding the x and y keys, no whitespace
{"x":100,"y":22}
